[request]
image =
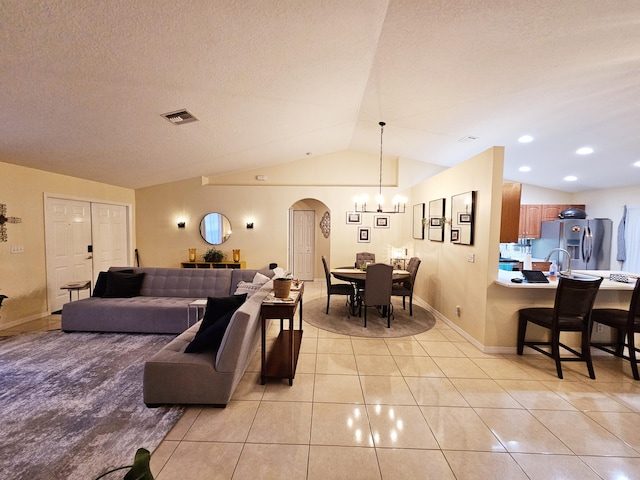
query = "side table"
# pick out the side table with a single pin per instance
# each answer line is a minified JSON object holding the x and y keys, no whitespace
{"x":77,"y":286}
{"x":283,"y":358}
{"x":199,"y":306}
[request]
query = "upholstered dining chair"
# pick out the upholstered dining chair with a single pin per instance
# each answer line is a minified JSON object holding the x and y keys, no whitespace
{"x":405,"y":288}
{"x":626,"y":323}
{"x":335,"y":288}
{"x":364,"y":257}
{"x":377,"y":289}
{"x":571,"y":313}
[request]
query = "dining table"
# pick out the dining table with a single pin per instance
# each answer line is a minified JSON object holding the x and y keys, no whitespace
{"x":358,"y":277}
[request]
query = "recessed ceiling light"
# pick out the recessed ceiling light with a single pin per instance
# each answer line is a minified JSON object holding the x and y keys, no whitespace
{"x":570,"y":178}
{"x":524,"y":168}
{"x":525,"y":139}
{"x":636,"y":164}
{"x":584,"y":151}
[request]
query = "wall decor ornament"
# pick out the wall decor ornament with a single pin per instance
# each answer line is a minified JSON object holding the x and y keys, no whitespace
{"x":4,"y":220}
{"x":418,"y":223}
{"x":325,"y":224}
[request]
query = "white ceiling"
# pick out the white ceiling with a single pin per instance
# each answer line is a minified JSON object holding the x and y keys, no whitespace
{"x":83,"y":84}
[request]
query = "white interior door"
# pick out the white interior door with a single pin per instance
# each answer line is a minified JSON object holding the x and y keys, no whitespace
{"x":303,"y":243}
{"x":68,"y":233}
{"x":109,"y":232}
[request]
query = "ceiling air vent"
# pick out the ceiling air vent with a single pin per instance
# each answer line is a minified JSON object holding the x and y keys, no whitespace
{"x":180,"y":117}
{"x":468,"y":138}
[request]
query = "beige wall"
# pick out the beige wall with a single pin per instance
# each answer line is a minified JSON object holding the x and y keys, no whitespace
{"x":23,"y":276}
{"x":446,"y":279}
{"x":160,"y":243}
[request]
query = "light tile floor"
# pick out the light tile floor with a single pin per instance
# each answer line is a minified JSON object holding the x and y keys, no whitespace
{"x":431,"y":406}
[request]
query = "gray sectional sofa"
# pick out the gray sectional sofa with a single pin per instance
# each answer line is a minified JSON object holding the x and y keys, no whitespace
{"x":172,"y":376}
{"x":163,"y":303}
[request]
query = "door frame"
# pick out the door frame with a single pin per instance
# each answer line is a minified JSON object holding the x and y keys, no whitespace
{"x":47,"y":196}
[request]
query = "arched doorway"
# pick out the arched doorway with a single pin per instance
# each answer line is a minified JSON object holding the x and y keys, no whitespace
{"x":307,"y":240}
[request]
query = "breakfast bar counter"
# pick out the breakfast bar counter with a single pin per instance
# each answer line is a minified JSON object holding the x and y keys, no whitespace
{"x":505,"y":299}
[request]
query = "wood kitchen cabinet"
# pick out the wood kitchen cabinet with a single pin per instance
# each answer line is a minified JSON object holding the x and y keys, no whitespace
{"x":531,"y":216}
{"x":510,"y":221}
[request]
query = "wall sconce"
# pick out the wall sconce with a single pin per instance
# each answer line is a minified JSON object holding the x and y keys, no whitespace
{"x":181,"y":224}
{"x":249,"y":225}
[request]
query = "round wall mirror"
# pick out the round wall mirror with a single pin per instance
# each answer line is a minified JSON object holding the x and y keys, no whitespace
{"x":215,"y":228}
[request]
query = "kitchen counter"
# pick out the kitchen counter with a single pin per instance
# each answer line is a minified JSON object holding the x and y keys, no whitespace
{"x":504,"y":280}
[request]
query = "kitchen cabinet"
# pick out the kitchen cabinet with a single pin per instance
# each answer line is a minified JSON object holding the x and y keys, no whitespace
{"x":510,"y":220}
{"x":531,"y":216}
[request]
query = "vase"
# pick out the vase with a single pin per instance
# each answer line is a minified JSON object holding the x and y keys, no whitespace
{"x":236,"y":255}
{"x":281,"y":287}
{"x":192,"y":254}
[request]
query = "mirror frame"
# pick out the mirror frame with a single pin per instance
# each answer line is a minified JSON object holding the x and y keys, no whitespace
{"x":418,"y":224}
{"x":212,"y":237}
{"x":462,"y":218}
{"x":436,"y":220}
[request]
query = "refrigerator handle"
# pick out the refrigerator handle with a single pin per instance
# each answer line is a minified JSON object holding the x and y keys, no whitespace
{"x":584,"y":245}
{"x":590,"y":245}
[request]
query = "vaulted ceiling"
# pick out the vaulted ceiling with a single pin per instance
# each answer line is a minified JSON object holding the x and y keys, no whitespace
{"x":84,"y":84}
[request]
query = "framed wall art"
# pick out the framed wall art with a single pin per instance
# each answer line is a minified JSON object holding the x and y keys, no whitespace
{"x":418,"y":224}
{"x":381,"y":221}
{"x":364,"y":235}
{"x":354,"y":218}
{"x":462,"y":217}
{"x":436,"y":220}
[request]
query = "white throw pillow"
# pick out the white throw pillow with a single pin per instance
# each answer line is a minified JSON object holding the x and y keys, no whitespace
{"x":248,"y":288}
{"x":260,"y":279}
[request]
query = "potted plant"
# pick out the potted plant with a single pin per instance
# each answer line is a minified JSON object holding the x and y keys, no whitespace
{"x":213,"y":255}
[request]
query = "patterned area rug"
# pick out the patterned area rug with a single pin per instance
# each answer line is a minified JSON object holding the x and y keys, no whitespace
{"x":71,"y":404}
{"x":338,"y":320}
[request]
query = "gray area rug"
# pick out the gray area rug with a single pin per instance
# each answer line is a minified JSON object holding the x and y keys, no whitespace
{"x":338,"y":321}
{"x":71,"y":404}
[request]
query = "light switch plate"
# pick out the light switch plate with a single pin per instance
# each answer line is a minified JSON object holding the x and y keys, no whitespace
{"x":17,"y":248}
{"x":471,"y":257}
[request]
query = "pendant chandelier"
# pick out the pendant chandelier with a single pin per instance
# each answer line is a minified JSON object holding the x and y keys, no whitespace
{"x":399,"y":202}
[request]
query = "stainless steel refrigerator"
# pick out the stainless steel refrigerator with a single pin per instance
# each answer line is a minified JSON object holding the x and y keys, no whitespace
{"x":587,"y":241}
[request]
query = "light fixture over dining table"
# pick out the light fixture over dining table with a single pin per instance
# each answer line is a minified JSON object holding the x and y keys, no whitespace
{"x":399,"y":202}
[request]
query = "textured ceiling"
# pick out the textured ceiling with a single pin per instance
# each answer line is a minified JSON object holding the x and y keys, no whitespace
{"x":84,"y":84}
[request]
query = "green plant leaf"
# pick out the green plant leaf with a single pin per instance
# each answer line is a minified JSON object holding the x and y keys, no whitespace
{"x":141,"y":470}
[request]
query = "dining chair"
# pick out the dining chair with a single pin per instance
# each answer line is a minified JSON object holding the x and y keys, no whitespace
{"x":571,"y":313}
{"x":625,"y":323}
{"x":364,"y":257}
{"x":335,"y":288}
{"x":377,"y":289}
{"x":404,"y":289}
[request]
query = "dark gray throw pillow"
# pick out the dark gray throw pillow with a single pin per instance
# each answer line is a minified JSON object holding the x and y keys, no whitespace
{"x":101,"y":282}
{"x":123,"y":285}
{"x":216,"y":319}
{"x":211,"y":337}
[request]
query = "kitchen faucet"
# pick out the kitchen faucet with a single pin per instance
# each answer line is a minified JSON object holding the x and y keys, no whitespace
{"x":568,"y":258}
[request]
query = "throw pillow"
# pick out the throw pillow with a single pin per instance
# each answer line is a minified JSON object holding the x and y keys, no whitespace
{"x":210,"y":337}
{"x":123,"y":285}
{"x":219,"y":306}
{"x":260,"y":278}
{"x":101,"y":283}
{"x":247,"y":288}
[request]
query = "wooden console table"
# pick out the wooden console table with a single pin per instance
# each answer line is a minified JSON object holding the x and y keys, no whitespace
{"x":283,"y":357}
{"x":240,"y":264}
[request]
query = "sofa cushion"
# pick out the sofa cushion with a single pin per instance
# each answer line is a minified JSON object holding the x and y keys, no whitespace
{"x":260,"y":279}
{"x":210,"y":337}
{"x":247,"y":288}
{"x":101,"y":283}
{"x":215,"y":322}
{"x":123,"y":285}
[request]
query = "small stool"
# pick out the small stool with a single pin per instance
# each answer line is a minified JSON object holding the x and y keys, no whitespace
{"x":77,"y":286}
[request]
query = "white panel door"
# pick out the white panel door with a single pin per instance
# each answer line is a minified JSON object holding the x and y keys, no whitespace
{"x":68,"y":232}
{"x":303,"y":243}
{"x":109,"y":231}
